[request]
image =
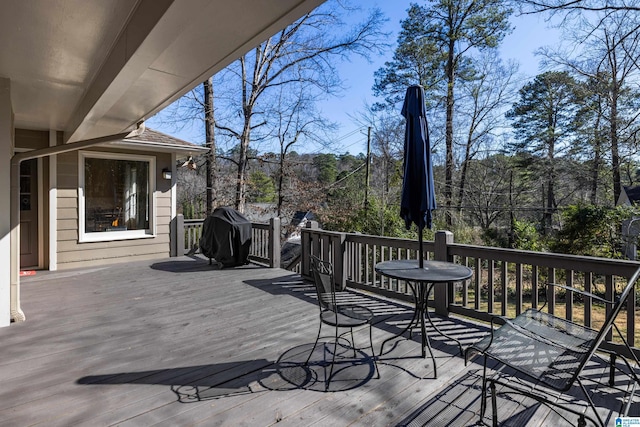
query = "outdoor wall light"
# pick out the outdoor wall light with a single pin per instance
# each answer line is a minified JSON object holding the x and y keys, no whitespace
{"x":166,"y":173}
{"x":189,"y":164}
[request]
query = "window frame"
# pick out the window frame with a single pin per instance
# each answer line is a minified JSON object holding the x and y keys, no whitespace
{"x":102,"y":236}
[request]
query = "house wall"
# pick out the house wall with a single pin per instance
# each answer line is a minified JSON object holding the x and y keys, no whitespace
{"x":72,"y":254}
{"x":31,"y":139}
{"x":37,"y":140}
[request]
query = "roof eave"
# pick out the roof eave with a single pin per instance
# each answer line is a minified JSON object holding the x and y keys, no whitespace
{"x":162,"y":147}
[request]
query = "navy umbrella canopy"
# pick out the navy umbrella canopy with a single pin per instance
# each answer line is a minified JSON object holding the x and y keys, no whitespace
{"x":418,"y":193}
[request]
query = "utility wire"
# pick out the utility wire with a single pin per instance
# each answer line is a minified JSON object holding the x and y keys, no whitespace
{"x":347,"y":176}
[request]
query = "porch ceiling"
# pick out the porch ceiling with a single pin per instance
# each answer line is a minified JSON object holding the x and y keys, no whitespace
{"x":93,"y":68}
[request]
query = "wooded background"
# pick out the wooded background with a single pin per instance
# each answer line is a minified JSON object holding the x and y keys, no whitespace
{"x":536,"y":164}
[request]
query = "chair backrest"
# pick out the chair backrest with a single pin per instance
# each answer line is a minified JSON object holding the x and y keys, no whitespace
{"x":611,"y":317}
{"x":322,"y":272}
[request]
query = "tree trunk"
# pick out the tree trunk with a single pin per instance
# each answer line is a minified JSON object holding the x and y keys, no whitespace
{"x":245,"y":139}
{"x":551,"y":173}
{"x":241,"y":183}
{"x":211,"y":161}
{"x":280,"y":184}
{"x":597,"y":147}
{"x":615,"y":154}
{"x":449,"y":134}
{"x":548,"y":214}
{"x":463,"y":173}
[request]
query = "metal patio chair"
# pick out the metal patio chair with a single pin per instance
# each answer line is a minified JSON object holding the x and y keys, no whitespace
{"x":552,"y":352}
{"x":336,"y":311}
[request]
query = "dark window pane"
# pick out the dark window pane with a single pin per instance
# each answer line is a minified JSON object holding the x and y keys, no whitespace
{"x":25,"y":168}
{"x":25,"y":202}
{"x":116,"y":195}
{"x":25,"y":184}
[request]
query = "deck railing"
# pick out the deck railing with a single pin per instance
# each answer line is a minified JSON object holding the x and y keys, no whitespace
{"x":265,"y":240}
{"x":505,"y":281}
{"x":192,"y":233}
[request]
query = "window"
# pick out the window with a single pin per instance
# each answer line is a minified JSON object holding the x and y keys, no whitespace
{"x":116,"y":196}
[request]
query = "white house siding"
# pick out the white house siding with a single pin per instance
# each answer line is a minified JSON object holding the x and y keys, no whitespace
{"x":72,"y":254}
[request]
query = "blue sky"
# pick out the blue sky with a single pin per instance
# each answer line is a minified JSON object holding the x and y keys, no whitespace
{"x":530,"y":33}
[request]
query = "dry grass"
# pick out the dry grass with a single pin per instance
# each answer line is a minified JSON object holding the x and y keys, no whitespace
{"x":598,"y":312}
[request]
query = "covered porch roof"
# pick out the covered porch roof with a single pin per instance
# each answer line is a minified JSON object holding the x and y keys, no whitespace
{"x":93,"y":68}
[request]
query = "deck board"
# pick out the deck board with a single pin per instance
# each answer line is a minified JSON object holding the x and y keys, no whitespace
{"x":178,"y":343}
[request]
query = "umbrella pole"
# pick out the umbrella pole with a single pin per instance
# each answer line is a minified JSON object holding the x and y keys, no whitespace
{"x":420,"y":250}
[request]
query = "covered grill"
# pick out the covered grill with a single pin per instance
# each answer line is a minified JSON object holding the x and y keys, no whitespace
{"x":226,"y":237}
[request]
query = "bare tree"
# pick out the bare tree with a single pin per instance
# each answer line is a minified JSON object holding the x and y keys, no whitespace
{"x":609,"y":63}
{"x":482,"y":105}
{"x":563,"y":6}
{"x":296,"y":122}
{"x":387,"y":144}
{"x":304,"y":53}
{"x":210,"y":142}
{"x":489,"y":191}
{"x":597,"y":10}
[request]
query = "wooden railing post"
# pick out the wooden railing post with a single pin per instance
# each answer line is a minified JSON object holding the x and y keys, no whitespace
{"x":305,"y":240}
{"x":178,"y":245}
{"x":339,"y":259}
{"x":274,"y":243}
{"x":442,"y":294}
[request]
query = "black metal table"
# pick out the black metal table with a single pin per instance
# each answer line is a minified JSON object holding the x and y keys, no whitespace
{"x":421,"y":281}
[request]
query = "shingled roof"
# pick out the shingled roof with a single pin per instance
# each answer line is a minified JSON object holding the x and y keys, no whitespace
{"x":629,"y":196}
{"x":153,"y":140}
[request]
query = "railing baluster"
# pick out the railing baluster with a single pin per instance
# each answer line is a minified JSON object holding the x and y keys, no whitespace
{"x":368,"y":279}
{"x":490,"y":286}
{"x":374,"y":254}
{"x":609,"y":294}
{"x":588,"y":302}
{"x":465,"y":286}
{"x":505,"y":290}
{"x":478,"y":284}
{"x":551,"y":292}
{"x":534,"y":286}
{"x":518,"y":301}
{"x":569,"y":296}
{"x":631,"y":319}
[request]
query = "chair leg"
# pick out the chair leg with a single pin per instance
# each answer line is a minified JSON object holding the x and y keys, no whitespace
{"x":612,"y":368}
{"x":333,"y":361}
{"x":314,"y":345}
{"x":373,"y":354}
{"x":590,"y":402}
{"x":483,"y":398}
{"x":494,"y":404}
{"x":353,"y":344}
{"x":632,"y":371}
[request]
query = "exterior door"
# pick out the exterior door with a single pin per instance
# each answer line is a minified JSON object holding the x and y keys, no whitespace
{"x":29,"y":213}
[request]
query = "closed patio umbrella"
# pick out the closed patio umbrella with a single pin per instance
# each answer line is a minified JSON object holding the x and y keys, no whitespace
{"x":418,"y":193}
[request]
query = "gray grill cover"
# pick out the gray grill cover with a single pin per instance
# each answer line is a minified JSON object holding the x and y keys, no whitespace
{"x":226,"y":237}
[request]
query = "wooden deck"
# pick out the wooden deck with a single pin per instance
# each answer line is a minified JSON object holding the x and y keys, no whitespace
{"x":176,"y":343}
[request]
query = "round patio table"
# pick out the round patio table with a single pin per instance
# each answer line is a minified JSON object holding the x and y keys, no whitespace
{"x":421,"y":281}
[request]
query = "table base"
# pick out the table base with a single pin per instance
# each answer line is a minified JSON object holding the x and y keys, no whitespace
{"x":421,"y":299}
